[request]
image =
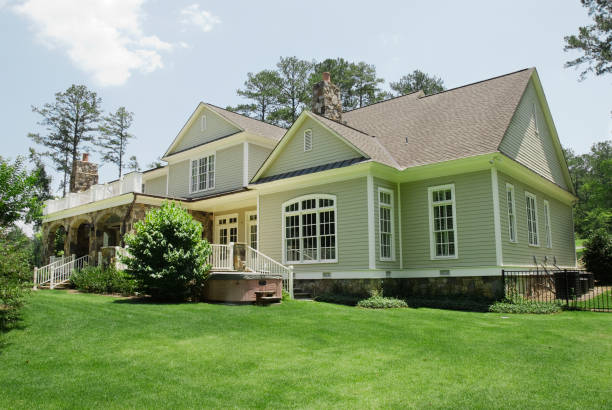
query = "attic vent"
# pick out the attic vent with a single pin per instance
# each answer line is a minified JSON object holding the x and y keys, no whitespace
{"x":203,"y":123}
{"x":406,"y":140}
{"x":535,"y":119}
{"x":307,"y":140}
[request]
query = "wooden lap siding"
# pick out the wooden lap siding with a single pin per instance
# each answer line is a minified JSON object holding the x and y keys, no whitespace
{"x":326,"y":148}
{"x":216,"y":128}
{"x":535,"y":151}
{"x":228,"y":173}
{"x":475,"y":230}
{"x":257,"y":156}
{"x":352,"y":225}
{"x":156,"y":186}
{"x":520,"y":253}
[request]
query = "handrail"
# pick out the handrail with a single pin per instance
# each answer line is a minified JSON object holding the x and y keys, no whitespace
{"x":259,"y":263}
{"x":43,"y":274}
{"x":221,"y":257}
{"x":60,"y":273}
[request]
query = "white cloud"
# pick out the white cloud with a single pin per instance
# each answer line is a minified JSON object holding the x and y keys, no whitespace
{"x":205,"y":20}
{"x":102,"y":37}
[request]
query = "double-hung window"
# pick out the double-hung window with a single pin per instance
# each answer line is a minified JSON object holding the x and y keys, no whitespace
{"x":385,"y":224}
{"x":511,"y":212}
{"x":202,"y":174}
{"x":532,"y":219}
{"x":442,"y":222}
{"x":547,"y":224}
{"x":309,"y":229}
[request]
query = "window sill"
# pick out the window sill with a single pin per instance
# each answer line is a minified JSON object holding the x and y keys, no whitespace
{"x":309,"y":262}
{"x":386,"y":259}
{"x":201,"y":190}
{"x":534,"y":246}
{"x":435,"y":258}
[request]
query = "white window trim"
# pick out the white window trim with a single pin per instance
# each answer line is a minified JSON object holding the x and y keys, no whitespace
{"x":547,"y":225}
{"x":510,"y":187}
{"x":537,"y":228}
{"x":203,"y":123}
{"x":208,"y":188}
{"x":391,"y":206}
{"x":247,"y":231}
{"x":299,"y":199}
{"x":229,"y":225}
{"x":311,"y":142}
{"x":432,"y":239}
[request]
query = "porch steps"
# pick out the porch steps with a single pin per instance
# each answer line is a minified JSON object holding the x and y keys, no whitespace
{"x":265,"y":297}
{"x":63,"y":285}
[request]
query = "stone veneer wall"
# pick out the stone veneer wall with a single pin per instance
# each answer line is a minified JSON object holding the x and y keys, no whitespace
{"x":85,"y":175}
{"x":473,"y":287}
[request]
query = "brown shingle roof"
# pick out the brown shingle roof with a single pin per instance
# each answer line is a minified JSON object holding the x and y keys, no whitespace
{"x":416,"y":130}
{"x":250,"y":124}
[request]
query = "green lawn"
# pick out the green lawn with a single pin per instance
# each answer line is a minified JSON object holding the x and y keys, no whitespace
{"x":87,"y":351}
{"x":601,"y":301}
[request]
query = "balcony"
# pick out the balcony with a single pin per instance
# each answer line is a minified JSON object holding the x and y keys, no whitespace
{"x":131,"y":182}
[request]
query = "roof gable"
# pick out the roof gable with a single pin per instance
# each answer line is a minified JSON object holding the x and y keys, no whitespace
{"x":328,"y":146}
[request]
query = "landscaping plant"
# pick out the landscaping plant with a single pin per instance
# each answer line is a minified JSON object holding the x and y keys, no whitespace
{"x":167,"y":254}
{"x":15,"y":275}
{"x":95,"y":279}
{"x":597,"y":255}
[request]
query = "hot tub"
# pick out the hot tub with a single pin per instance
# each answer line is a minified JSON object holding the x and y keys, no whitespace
{"x":240,"y":287}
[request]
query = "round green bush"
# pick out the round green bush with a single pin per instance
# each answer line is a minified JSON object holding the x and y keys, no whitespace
{"x":167,"y":255}
{"x":597,"y":255}
{"x":380,"y":302}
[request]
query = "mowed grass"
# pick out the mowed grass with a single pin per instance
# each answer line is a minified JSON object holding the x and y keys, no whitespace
{"x":91,"y":351}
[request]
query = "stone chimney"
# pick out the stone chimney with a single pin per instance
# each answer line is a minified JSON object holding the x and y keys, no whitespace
{"x":85,"y":174}
{"x":326,"y":99}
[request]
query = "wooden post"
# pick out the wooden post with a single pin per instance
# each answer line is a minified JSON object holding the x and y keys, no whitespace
{"x":290,"y":284}
{"x":35,"y":278}
{"x":231,"y":255}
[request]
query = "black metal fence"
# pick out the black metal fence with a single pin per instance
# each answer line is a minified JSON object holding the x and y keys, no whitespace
{"x":574,"y":289}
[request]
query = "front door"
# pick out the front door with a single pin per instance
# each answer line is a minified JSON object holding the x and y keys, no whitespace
{"x":226,"y":229}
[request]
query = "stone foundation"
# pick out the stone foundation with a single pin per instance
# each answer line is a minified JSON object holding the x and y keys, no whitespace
{"x":471,"y":287}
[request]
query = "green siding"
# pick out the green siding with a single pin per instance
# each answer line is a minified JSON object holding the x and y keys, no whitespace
{"x":534,"y":150}
{"x":352,"y":225}
{"x":257,"y":156}
{"x":156,"y":186}
{"x":475,"y":230}
{"x":326,"y":148}
{"x":216,"y":127}
{"x":381,"y":183}
{"x":228,"y":173}
{"x":520,"y":253}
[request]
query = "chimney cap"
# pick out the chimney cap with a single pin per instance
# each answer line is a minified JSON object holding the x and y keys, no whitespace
{"x":326,"y":77}
{"x":85,"y":157}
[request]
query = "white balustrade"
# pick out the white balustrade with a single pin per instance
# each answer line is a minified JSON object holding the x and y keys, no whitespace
{"x":131,"y":182}
{"x":221,"y":257}
{"x":59,"y":271}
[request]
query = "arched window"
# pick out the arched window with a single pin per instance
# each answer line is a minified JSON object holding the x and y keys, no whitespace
{"x":309,"y":229}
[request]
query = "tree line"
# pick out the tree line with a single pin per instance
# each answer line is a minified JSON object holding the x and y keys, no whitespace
{"x":75,"y":121}
{"x":278,"y":95}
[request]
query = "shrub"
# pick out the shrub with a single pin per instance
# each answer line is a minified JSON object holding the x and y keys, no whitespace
{"x":520,"y":305}
{"x":94,"y":279}
{"x":340,"y":299}
{"x":15,"y":275}
{"x":286,"y":295}
{"x":381,"y":302}
{"x":167,"y":254}
{"x":597,"y":255}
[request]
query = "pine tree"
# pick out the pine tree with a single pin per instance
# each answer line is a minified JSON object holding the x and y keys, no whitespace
{"x":115,"y":137}
{"x":263,"y":88}
{"x":294,"y":91}
{"x":418,"y":80}
{"x":70,"y":122}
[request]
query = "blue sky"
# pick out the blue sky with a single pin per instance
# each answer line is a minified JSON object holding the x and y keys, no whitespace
{"x":160,"y":58}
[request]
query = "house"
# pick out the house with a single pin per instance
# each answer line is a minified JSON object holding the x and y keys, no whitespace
{"x":431,"y":194}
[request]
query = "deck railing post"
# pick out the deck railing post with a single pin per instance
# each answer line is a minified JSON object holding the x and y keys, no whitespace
{"x":290,"y":282}
{"x":231,"y":256}
{"x":35,"y":277}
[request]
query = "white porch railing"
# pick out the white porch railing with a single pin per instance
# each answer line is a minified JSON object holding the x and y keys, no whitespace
{"x":55,"y":274}
{"x":131,"y":182}
{"x":259,"y":263}
{"x":221,"y":257}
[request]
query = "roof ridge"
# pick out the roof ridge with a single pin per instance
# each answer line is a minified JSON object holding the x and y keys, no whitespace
{"x":243,"y":115}
{"x":382,"y":101}
{"x":478,"y":82}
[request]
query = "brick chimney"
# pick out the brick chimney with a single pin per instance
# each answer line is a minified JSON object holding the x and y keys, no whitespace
{"x":326,"y":99}
{"x":85,"y":174}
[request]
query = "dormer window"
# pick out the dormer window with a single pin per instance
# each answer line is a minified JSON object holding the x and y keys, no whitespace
{"x":203,"y":123}
{"x":307,"y":140}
